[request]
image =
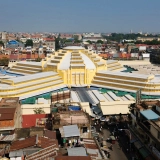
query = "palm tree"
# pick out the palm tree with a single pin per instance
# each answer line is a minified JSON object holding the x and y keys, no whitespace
{"x":38,"y":111}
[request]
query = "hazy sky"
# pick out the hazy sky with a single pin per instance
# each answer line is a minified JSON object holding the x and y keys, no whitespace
{"x":80,"y":15}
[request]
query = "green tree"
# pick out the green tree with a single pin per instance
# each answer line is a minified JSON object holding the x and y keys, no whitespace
{"x":1,"y":42}
{"x":120,"y":36}
{"x":76,"y":40}
{"x":100,"y":41}
{"x":57,"y":42}
{"x":38,"y":59}
{"x":153,"y":42}
{"x":29,"y":42}
{"x":38,"y":111}
{"x":4,"y":61}
{"x":69,"y":40}
{"x":89,"y":42}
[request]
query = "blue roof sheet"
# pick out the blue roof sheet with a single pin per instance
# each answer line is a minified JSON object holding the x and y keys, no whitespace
{"x":150,"y":115}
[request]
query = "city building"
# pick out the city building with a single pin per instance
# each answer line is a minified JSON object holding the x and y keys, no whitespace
{"x":146,"y":125}
{"x":49,"y":42}
{"x":34,"y":147}
{"x":93,"y":37}
{"x":147,"y":39}
{"x":75,"y":67}
{"x":76,"y":119}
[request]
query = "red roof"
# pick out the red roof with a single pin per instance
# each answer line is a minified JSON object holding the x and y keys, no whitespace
{"x":14,"y":56}
{"x":138,"y":45}
{"x":31,"y":141}
{"x":48,"y":39}
{"x":44,"y":142}
{"x":30,"y":120}
{"x":20,"y":144}
{"x":50,"y":134}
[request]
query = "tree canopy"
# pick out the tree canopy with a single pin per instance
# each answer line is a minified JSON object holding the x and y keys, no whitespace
{"x":29,"y":42}
{"x":38,"y":59}
{"x":57,"y":42}
{"x":120,"y":36}
{"x":154,"y":42}
{"x":100,"y":41}
{"x":4,"y":61}
{"x":89,"y":42}
{"x":1,"y":42}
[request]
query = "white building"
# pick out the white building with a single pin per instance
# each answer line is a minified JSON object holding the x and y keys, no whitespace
{"x":93,"y":37}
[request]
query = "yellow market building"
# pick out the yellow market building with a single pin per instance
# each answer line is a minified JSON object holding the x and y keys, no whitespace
{"x":74,"y":67}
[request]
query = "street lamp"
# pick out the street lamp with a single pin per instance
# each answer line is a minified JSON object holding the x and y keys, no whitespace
{"x":130,"y":136}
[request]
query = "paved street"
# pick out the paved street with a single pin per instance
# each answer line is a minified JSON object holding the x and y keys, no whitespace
{"x":117,"y":152}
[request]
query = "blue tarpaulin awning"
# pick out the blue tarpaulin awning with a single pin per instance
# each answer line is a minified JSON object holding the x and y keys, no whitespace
{"x":150,"y":115}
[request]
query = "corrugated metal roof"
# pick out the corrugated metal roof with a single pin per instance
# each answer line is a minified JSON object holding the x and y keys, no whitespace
{"x":6,"y":116}
{"x":7,"y":110}
{"x":7,"y":138}
{"x":78,"y":151}
{"x":20,"y":144}
{"x":71,"y":131}
{"x":18,"y":153}
{"x":7,"y":113}
{"x":94,"y":153}
{"x":46,"y":142}
{"x":9,"y":102}
{"x":50,"y":134}
{"x":73,"y":158}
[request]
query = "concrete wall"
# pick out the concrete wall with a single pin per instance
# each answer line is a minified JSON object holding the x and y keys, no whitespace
{"x":29,"y":108}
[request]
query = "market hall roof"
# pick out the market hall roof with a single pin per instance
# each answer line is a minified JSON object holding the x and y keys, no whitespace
{"x":66,"y":62}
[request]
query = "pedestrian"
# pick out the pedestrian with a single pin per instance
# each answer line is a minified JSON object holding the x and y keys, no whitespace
{"x":110,"y":147}
{"x":108,"y":155}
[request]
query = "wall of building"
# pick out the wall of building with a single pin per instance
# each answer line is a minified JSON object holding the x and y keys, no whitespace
{"x":29,"y":108}
{"x":154,"y":132}
{"x":18,"y":117}
{"x":6,"y":124}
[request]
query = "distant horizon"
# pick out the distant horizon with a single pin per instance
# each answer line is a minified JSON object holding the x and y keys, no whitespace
{"x":105,"y":16}
{"x":45,"y":32}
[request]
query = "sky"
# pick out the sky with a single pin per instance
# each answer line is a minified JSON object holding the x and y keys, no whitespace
{"x":80,"y":16}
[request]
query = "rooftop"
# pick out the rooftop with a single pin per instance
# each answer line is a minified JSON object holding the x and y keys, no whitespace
{"x":66,"y":62}
{"x":20,"y":144}
{"x":150,"y":115}
{"x":142,"y":76}
{"x":32,"y":76}
{"x":73,"y":48}
{"x":11,"y":102}
{"x":77,"y":151}
{"x":71,"y":131}
{"x":73,"y":158}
